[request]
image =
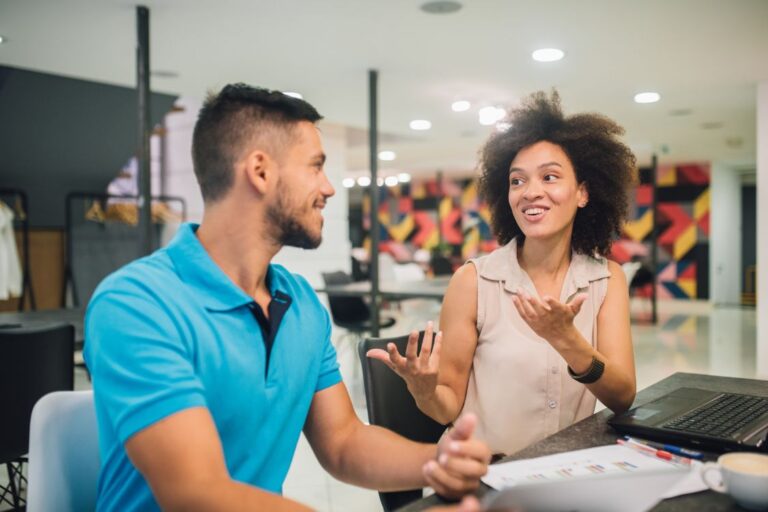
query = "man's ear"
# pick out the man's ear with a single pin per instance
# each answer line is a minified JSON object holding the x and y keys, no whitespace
{"x":259,"y":170}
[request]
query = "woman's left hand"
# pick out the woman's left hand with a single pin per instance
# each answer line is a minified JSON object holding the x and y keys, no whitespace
{"x":549,"y":318}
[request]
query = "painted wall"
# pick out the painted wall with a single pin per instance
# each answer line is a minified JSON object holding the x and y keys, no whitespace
{"x":762,"y":230}
{"x":725,"y":233}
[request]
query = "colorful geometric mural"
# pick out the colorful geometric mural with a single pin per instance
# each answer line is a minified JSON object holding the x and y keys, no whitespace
{"x":682,"y":227}
{"x":427,"y":215}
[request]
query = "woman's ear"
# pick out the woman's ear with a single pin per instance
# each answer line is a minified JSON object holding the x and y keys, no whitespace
{"x":582,"y":195}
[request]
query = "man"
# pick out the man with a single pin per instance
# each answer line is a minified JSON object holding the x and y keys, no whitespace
{"x":207,"y":360}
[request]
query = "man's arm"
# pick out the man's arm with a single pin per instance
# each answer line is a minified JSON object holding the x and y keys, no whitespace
{"x":374,"y":457}
{"x":182,"y":460}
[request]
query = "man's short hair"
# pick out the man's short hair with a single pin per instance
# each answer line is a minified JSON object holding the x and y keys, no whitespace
{"x":232,"y":120}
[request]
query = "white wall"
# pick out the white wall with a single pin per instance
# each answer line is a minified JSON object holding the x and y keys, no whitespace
{"x":762,"y":230}
{"x":180,"y":180}
{"x":725,"y":236}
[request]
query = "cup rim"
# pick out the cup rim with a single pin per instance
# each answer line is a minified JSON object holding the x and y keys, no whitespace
{"x":722,"y":461}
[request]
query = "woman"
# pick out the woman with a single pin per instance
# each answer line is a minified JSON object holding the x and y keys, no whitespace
{"x":535,"y":331}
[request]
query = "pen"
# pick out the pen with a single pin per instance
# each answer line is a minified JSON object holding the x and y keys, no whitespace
{"x":653,"y":452}
{"x":677,"y":450}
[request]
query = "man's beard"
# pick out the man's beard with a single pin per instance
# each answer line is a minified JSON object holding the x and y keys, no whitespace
{"x":289,"y":231}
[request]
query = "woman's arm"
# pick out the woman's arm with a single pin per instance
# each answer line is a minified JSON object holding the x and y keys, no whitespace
{"x":437,"y":376}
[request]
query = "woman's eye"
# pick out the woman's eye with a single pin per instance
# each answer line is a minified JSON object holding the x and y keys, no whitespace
{"x":550,"y":177}
{"x":515,"y":181}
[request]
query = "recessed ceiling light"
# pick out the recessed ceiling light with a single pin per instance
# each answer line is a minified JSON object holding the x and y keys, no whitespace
{"x":647,"y":97}
{"x":3,"y":39}
{"x":488,"y":116}
{"x":460,"y":106}
{"x":387,"y":156}
{"x":404,"y":177}
{"x":348,"y":182}
{"x":548,"y":54}
{"x":420,"y":124}
{"x":680,"y":112}
{"x":293,"y":94}
{"x":391,"y":181}
{"x":440,"y":7}
{"x":364,"y":181}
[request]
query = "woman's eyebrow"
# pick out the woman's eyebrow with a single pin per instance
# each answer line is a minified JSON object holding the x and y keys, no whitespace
{"x":542,"y":166}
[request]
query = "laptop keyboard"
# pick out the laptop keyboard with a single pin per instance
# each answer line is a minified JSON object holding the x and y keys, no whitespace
{"x":721,"y":417}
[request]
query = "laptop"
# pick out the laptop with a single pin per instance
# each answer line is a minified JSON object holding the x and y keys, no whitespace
{"x":710,"y":420}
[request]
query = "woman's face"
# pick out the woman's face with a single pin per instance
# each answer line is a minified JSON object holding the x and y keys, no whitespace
{"x":543,"y":192}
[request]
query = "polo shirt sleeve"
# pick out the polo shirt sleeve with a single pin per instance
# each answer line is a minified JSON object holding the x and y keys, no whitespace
{"x":329,"y":367}
{"x":142,"y":370}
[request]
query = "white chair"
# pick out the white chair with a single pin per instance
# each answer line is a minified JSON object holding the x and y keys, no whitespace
{"x":63,"y":453}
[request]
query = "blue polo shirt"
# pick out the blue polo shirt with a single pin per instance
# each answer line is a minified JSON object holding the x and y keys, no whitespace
{"x":171,"y":331}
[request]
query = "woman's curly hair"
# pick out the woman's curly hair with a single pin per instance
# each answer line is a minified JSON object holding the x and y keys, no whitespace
{"x":604,"y":164}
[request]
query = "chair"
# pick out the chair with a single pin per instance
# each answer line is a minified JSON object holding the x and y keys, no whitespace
{"x":33,"y":362}
{"x":441,"y":265}
{"x":63,"y":453}
{"x":391,"y":405}
{"x":351,"y":313}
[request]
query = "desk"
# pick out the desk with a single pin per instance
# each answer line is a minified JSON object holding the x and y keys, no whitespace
{"x":74,"y":316}
{"x":391,"y":290}
{"x":594,"y":431}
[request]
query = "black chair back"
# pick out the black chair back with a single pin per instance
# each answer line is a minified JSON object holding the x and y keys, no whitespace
{"x":345,"y":311}
{"x":391,"y":405}
{"x":34,"y":361}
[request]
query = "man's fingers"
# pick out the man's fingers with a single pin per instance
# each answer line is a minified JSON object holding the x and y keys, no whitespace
{"x":447,"y":484}
{"x":463,"y":428}
{"x":464,"y":467}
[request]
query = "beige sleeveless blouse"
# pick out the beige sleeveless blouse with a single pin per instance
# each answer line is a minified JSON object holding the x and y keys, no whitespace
{"x":519,"y":386}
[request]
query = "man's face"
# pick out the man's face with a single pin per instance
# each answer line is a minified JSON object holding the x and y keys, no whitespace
{"x":302,"y":190}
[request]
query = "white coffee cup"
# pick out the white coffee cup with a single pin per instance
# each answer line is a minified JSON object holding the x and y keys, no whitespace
{"x":742,"y":475}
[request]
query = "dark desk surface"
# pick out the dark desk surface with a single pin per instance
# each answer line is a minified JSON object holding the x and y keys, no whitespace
{"x":594,"y":431}
{"x":74,"y":316}
{"x":390,"y":290}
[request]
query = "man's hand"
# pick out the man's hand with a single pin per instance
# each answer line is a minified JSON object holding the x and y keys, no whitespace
{"x":468,"y":504}
{"x":461,"y":460}
{"x":417,"y":369}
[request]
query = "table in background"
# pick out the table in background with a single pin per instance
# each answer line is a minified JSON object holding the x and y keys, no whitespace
{"x":391,"y":290}
{"x":594,"y":431}
{"x":74,"y":316}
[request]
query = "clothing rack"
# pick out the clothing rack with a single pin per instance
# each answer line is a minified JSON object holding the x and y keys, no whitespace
{"x":17,"y":195}
{"x":102,"y":198}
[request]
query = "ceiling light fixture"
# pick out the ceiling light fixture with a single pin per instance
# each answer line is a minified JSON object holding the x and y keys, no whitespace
{"x":391,"y":181}
{"x":348,"y":182}
{"x":420,"y":124}
{"x":460,"y":106}
{"x":488,"y":116}
{"x":293,"y":94}
{"x":164,"y":73}
{"x":364,"y":181}
{"x":404,"y":177}
{"x":647,"y":97}
{"x":548,"y":54}
{"x":3,"y":39}
{"x":440,"y":7}
{"x":387,"y":156}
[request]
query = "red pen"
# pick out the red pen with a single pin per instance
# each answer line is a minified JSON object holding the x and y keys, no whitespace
{"x":661,"y":454}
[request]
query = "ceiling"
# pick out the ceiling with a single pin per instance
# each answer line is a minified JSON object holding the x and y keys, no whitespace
{"x":704,"y":57}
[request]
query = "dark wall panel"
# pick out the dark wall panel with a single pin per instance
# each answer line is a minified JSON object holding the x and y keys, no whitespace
{"x":60,"y":134}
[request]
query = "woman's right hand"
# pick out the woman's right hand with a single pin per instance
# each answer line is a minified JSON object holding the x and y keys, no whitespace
{"x":417,"y":369}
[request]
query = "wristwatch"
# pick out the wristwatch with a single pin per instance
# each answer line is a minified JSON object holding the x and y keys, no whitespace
{"x":593,"y":373}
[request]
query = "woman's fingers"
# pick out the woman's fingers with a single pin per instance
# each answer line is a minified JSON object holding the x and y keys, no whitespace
{"x":426,"y":345}
{"x":434,"y":360}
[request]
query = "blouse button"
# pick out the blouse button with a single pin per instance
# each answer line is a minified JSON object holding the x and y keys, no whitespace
{"x":554,"y":370}
{"x":552,"y":404}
